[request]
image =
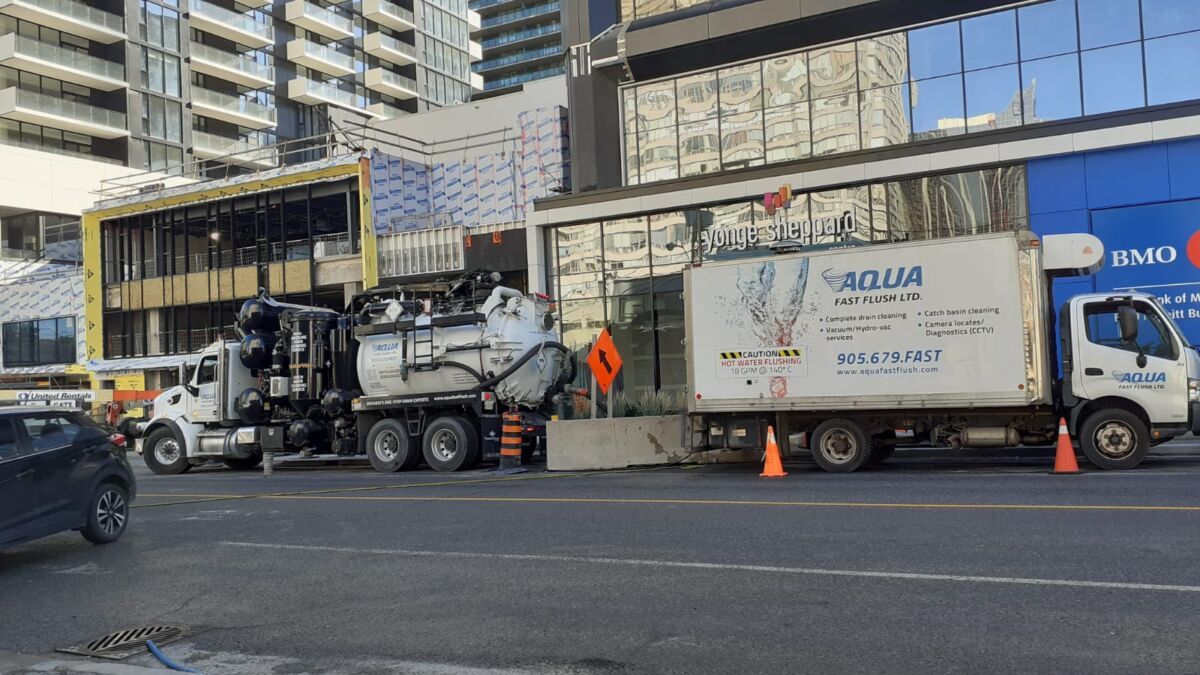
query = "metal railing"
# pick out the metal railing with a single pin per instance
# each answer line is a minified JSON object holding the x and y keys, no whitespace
{"x":398,"y":12}
{"x":329,"y":54}
{"x":528,"y":33}
{"x":80,"y":112}
{"x":331,"y":92}
{"x":518,"y":57}
{"x":67,"y":58}
{"x":236,"y":20}
{"x":235,"y":104}
{"x":421,"y":252}
{"x":231,"y":61}
{"x":392,"y":44}
{"x":239,"y":149}
{"x":333,"y":245}
{"x":518,"y":14}
{"x":398,"y":80}
{"x":81,"y":12}
{"x":335,"y":21}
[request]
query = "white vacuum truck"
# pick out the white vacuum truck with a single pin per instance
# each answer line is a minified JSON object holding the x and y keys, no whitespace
{"x":399,"y":378}
{"x":950,"y":342}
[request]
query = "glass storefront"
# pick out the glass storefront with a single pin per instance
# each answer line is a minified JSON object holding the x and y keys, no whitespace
{"x":626,"y":274}
{"x":1047,"y":61}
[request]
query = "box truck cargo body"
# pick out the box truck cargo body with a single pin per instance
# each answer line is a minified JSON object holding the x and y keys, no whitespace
{"x":949,"y":341}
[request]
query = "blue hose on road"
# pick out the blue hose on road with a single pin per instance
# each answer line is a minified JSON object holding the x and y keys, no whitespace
{"x":166,"y":660}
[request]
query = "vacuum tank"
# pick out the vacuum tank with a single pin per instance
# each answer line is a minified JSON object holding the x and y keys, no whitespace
{"x":409,"y":348}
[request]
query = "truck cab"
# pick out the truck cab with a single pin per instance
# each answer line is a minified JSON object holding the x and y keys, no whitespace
{"x":1128,"y":372}
{"x":197,"y":420}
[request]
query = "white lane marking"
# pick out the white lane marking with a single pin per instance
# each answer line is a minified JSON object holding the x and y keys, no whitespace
{"x":1074,"y":583}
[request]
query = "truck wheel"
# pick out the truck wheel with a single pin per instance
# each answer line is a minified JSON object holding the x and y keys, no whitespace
{"x":840,"y":446}
{"x":243,"y":463}
{"x":390,"y":448}
{"x":451,"y":444}
{"x":1114,"y":439}
{"x":164,"y":453}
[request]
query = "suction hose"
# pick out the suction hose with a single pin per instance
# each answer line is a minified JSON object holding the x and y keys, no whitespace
{"x":496,"y":379}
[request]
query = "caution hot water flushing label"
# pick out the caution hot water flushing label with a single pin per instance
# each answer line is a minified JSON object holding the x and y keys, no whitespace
{"x":760,"y":362}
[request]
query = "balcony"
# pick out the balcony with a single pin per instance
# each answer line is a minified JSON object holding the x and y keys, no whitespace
{"x":523,"y":58}
{"x":318,"y":20}
{"x":386,"y":111}
{"x":476,"y":81}
{"x":231,"y":67}
{"x":232,"y":109}
{"x":69,"y":16}
{"x":389,"y":14}
{"x":58,"y":113}
{"x":320,"y":57}
{"x":22,"y":53}
{"x":241,"y":28}
{"x":390,"y":49}
{"x":233,"y":151}
{"x":529,"y":35}
{"x":475,"y":51}
{"x":473,"y":19}
{"x":393,"y":84}
{"x":310,"y":92}
{"x":513,"y":16}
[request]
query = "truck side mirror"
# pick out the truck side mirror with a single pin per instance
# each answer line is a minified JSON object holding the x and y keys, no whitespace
{"x":1127,"y":318}
{"x":181,"y":373}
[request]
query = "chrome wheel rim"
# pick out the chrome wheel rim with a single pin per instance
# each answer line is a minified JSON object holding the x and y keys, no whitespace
{"x":111,"y":512}
{"x":443,"y":445}
{"x":838,"y":446}
{"x":387,"y":446}
{"x":1115,"y":440}
{"x":167,"y":451}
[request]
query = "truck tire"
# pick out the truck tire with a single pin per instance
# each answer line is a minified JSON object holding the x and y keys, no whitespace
{"x":390,"y":448}
{"x":243,"y":463}
{"x":165,"y":454}
{"x":841,"y":446}
{"x":451,"y":444}
{"x":1114,"y":439}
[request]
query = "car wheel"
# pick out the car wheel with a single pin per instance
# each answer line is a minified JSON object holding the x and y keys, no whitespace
{"x":451,"y":444}
{"x":1114,"y":439}
{"x":390,"y":448}
{"x":164,"y":453}
{"x":107,"y":514}
{"x":841,"y":446}
{"x":243,"y":463}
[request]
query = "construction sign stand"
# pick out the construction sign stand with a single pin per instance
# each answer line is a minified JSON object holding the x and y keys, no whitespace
{"x":605,"y":362}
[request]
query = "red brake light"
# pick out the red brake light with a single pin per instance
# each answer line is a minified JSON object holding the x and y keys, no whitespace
{"x":117,"y":439}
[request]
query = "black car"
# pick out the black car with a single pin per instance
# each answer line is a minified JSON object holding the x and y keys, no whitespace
{"x":59,"y":471}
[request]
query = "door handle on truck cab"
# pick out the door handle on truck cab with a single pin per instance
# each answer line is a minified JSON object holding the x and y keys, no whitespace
{"x":1093,"y":371}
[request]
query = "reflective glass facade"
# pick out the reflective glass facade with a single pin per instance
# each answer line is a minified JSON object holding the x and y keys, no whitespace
{"x":1048,"y":61}
{"x":627,"y":273}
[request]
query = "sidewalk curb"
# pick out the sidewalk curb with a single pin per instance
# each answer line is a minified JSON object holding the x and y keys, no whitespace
{"x":15,"y":663}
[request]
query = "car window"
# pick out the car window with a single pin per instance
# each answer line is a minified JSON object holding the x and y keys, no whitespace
{"x":47,"y":432}
{"x":207,"y":370}
{"x":8,"y":440}
{"x":1154,"y":337}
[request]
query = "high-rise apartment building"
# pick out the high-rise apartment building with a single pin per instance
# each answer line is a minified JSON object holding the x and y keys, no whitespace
{"x":521,"y":41}
{"x":157,"y":84}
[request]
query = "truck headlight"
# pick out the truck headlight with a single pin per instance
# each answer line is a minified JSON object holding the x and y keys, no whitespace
{"x":1194,"y":391}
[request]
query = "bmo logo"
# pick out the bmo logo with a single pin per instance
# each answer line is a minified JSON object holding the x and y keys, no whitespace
{"x":1156,"y":255}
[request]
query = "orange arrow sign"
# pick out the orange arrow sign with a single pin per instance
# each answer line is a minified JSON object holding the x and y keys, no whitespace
{"x":604,"y":360}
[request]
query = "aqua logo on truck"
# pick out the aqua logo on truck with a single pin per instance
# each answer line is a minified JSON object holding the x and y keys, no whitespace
{"x":1140,"y":379}
{"x":861,"y":281}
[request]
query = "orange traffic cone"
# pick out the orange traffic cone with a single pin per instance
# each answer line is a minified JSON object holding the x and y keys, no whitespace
{"x":1064,"y":458}
{"x":773,"y":467}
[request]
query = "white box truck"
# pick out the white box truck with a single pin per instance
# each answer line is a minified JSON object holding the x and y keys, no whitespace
{"x":951,"y":342}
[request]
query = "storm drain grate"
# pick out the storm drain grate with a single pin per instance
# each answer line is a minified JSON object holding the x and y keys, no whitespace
{"x":125,"y":643}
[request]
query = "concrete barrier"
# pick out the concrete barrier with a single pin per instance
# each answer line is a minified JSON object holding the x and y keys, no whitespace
{"x":618,"y":443}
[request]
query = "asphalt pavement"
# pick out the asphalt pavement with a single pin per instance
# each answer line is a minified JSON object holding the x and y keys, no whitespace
{"x":930,"y":564}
